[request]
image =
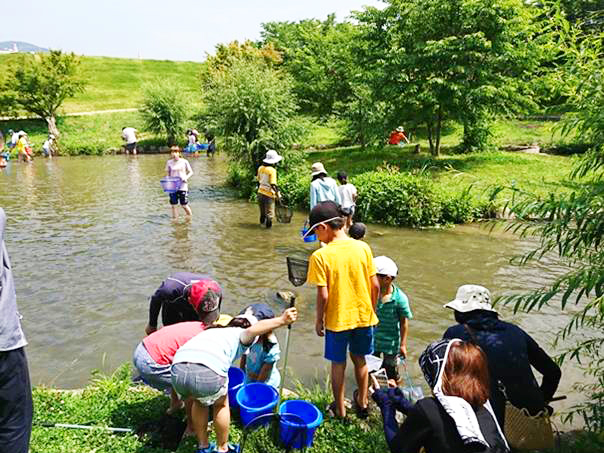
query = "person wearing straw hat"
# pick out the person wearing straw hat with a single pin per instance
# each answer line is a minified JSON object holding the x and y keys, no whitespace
{"x":16,"y":408}
{"x":268,"y":190}
{"x":322,"y":187}
{"x":510,"y":350}
{"x":185,"y":296}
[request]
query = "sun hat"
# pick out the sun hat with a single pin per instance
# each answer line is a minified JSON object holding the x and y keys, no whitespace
{"x":470,"y":298}
{"x":205,"y":295}
{"x":21,"y":133}
{"x":272,"y":157}
{"x":323,"y":212}
{"x":385,"y":266}
{"x":317,"y":168}
{"x":400,"y":129}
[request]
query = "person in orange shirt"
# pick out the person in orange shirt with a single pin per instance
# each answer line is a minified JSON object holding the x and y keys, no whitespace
{"x":397,"y":136}
{"x":347,"y":292}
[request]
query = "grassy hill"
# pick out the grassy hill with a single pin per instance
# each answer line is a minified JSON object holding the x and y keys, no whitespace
{"x":115,"y":83}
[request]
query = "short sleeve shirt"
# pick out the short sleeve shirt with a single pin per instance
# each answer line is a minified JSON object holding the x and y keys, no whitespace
{"x":163,"y":344}
{"x":345,"y":267}
{"x":347,"y":194}
{"x":257,"y":357}
{"x":267,"y":176}
{"x":387,"y":335}
{"x":179,"y":168}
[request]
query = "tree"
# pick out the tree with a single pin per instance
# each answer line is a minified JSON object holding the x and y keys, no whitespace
{"x":464,"y":60}
{"x":40,"y":83}
{"x":571,"y":226}
{"x":164,"y":109}
{"x":252,"y":106}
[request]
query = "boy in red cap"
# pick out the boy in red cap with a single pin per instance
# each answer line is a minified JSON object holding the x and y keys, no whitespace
{"x":185,"y":296}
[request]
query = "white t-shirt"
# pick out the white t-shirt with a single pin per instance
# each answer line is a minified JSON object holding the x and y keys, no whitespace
{"x":129,"y":134}
{"x":347,"y":194}
{"x":14,"y":138}
{"x":180,"y":168}
{"x":215,"y":348}
{"x":47,"y":145}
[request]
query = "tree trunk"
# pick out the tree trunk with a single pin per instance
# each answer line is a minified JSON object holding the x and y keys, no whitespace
{"x":439,"y":121}
{"x":52,"y":126}
{"x":429,"y":127}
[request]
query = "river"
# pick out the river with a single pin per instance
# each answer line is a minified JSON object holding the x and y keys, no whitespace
{"x":91,"y":238}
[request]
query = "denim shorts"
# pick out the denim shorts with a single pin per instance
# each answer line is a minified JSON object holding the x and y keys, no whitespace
{"x":152,"y":373}
{"x":359,"y":341}
{"x":181,"y":196}
{"x":199,"y":382}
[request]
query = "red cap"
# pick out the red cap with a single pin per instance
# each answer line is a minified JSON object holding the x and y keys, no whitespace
{"x":198,"y":296}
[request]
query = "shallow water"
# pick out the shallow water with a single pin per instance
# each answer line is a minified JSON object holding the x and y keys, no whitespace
{"x":91,"y":238}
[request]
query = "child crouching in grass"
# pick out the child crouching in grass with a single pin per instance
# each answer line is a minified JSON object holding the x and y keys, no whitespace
{"x":394,"y":313}
{"x":260,"y":361}
{"x":200,"y":372}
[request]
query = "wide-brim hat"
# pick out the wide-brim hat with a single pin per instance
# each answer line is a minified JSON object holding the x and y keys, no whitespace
{"x":272,"y":157}
{"x":400,"y":129}
{"x":470,"y":298}
{"x":317,"y":168}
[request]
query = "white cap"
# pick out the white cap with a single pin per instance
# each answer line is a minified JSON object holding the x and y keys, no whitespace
{"x":470,"y":298}
{"x":317,"y":168}
{"x":272,"y":157}
{"x":385,"y":266}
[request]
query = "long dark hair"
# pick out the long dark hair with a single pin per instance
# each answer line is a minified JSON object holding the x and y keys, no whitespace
{"x":244,"y":323}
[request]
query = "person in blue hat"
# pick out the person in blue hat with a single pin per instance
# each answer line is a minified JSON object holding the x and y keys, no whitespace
{"x":260,"y":361}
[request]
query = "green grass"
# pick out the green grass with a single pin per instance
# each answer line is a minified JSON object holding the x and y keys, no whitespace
{"x":115,"y":83}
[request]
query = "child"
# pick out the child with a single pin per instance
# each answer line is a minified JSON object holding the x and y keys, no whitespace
{"x":357,"y":230}
{"x":393,"y":310}
{"x":200,"y":372}
{"x":22,"y":146}
{"x":260,"y":362}
{"x":348,"y":196}
{"x":267,"y":187}
{"x":180,"y":167}
{"x":48,"y":145}
{"x":347,"y":291}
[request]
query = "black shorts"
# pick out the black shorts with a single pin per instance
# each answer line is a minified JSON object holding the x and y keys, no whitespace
{"x":130,"y":146}
{"x":16,"y":407}
{"x":181,"y":196}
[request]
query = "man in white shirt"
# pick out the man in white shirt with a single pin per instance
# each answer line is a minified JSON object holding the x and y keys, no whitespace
{"x":129,"y":135}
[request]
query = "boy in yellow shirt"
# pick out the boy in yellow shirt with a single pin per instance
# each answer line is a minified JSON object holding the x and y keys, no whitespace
{"x":267,"y":187}
{"x":347,"y":292}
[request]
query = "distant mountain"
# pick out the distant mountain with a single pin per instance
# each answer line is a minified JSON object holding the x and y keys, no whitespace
{"x":18,"y":46}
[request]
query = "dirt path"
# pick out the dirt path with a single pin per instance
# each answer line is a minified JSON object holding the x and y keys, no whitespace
{"x":95,"y":112}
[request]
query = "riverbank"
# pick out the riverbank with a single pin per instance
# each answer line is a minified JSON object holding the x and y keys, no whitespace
{"x":113,"y":401}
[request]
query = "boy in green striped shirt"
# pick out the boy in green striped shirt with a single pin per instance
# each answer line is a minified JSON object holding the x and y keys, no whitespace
{"x":394,"y":313}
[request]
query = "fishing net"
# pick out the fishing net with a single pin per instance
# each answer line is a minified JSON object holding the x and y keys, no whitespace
{"x":283,"y":213}
{"x":297,"y":269}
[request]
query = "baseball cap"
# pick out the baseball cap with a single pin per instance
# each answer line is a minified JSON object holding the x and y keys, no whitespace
{"x":385,"y":266}
{"x":470,"y":298}
{"x":321,"y":213}
{"x":203,"y":300}
{"x":259,"y":311}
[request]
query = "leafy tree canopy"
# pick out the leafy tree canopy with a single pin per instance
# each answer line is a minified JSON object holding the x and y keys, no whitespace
{"x":164,"y":109}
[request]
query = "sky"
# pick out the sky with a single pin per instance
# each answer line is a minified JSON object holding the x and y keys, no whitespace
{"x":181,"y":30}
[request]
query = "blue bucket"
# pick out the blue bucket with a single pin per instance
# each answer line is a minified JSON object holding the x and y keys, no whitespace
{"x":298,"y":422}
{"x":254,"y":400}
{"x":170,"y":184}
{"x":310,"y":237}
{"x":236,"y":378}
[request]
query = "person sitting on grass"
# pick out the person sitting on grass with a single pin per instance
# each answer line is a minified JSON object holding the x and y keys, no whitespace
{"x":179,"y":167}
{"x":200,"y":372}
{"x":458,"y":418}
{"x":394,"y":313}
{"x":347,"y":292}
{"x":260,"y":362}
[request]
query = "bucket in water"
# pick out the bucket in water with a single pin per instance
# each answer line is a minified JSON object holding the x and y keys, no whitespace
{"x":298,"y":422}
{"x":254,"y":400}
{"x":310,"y":237}
{"x":236,"y":378}
{"x":170,"y":184}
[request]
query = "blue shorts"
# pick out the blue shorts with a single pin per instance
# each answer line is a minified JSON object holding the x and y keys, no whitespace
{"x":153,"y":374}
{"x":359,"y":341}
{"x":179,"y":195}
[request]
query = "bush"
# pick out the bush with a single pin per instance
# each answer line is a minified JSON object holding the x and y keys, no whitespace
{"x":397,"y":199}
{"x":164,"y":109}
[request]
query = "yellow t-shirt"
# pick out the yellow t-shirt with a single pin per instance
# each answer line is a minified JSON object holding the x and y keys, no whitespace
{"x":21,"y":145}
{"x":345,"y":266}
{"x":267,"y":176}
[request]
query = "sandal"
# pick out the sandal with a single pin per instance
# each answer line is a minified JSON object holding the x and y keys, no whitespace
{"x":233,"y":448}
{"x":362,"y":412}
{"x":209,"y":449}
